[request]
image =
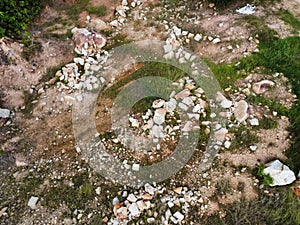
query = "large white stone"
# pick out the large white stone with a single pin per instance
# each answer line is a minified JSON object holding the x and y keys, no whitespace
{"x":134,"y":210}
{"x":281,"y":174}
{"x":159,"y":116}
{"x":262,"y":86}
{"x":4,"y":113}
{"x":241,"y":111}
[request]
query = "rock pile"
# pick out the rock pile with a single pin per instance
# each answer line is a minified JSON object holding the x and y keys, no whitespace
{"x":176,"y":204}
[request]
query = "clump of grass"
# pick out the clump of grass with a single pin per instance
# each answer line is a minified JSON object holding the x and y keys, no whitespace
{"x":289,"y":19}
{"x":149,"y":69}
{"x":223,"y":186}
{"x":30,"y":46}
{"x":115,"y":41}
{"x":281,"y":208}
{"x":268,"y":123}
{"x":99,"y":11}
{"x":273,"y":105}
{"x":243,"y":138}
{"x":28,"y":101}
{"x":258,"y":27}
{"x":226,"y":74}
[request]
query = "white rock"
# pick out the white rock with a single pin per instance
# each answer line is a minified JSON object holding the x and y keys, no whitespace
{"x":134,"y":210}
{"x":198,"y":37}
{"x":168,"y":48}
{"x":158,"y":103}
{"x":262,"y":86}
{"x":281,"y":174}
{"x":226,"y":104}
{"x":178,"y":215}
{"x":177,"y":31}
{"x":188,"y":126}
{"x":98,"y":190}
{"x":134,"y":122}
{"x":159,"y":116}
{"x":188,"y":101}
{"x":131,"y":198}
{"x":254,"y":122}
{"x":221,"y":134}
{"x":170,"y":105}
{"x":216,"y":40}
{"x":240,"y":111}
{"x":32,"y":202}
{"x":4,"y":113}
{"x":227,"y":144}
{"x":157,"y":132}
{"x":114,"y":23}
{"x":253,"y":147}
{"x":149,"y":189}
{"x":184,"y":107}
{"x":79,"y":61}
{"x":135,"y":167}
{"x":182,"y":94}
{"x":124,"y":2}
{"x":115,"y":200}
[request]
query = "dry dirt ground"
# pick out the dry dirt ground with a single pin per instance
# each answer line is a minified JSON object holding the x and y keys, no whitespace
{"x":40,"y":134}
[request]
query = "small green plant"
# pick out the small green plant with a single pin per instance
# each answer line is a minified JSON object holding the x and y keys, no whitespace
{"x":266,"y":178}
{"x":30,"y":46}
{"x":99,"y":11}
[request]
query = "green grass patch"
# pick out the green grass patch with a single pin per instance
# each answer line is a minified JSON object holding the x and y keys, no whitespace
{"x":99,"y":11}
{"x":273,"y":105}
{"x":282,"y":56}
{"x":149,"y":69}
{"x":289,"y":19}
{"x":226,"y":74}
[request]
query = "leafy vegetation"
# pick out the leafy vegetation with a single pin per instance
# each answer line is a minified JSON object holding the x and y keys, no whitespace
{"x":15,"y":15}
{"x":266,"y":178}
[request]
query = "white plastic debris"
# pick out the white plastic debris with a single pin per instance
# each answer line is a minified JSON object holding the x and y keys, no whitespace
{"x":246,"y":10}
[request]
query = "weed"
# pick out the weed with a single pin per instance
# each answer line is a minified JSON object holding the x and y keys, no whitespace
{"x":223,"y":186}
{"x":289,"y":19}
{"x":50,"y":72}
{"x":115,"y":41}
{"x":259,"y":28}
{"x":268,"y":123}
{"x":29,"y":99}
{"x":30,"y":46}
{"x":281,"y":208}
{"x":266,"y":178}
{"x":243,"y":138}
